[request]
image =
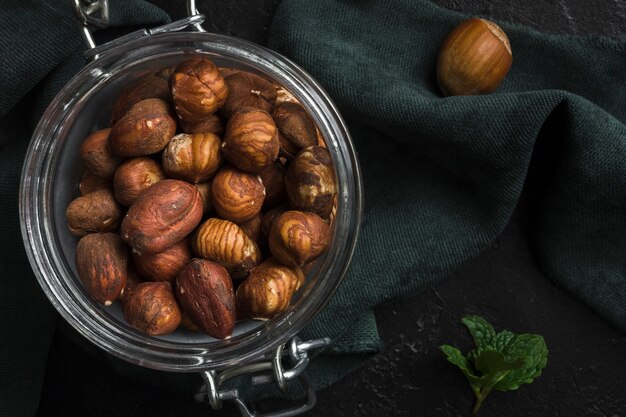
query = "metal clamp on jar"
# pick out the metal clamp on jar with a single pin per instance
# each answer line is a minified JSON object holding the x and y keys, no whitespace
{"x":270,"y":351}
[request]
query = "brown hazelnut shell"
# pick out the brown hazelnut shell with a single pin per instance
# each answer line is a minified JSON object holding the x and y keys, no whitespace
{"x":152,"y":309}
{"x":252,"y":228}
{"x":90,"y":183}
{"x":250,"y":141}
{"x":205,"y":291}
{"x":237,"y":195}
{"x":135,"y":176}
{"x":211,"y":124}
{"x":163,"y":266}
{"x":310,"y":181}
{"x":193,"y":157}
{"x":132,"y":280}
{"x":96,"y":212}
{"x":226,"y":243}
{"x":150,"y":86}
{"x":97,"y":156}
{"x":161,"y":216}
{"x":273,"y":179}
{"x":248,"y":90}
{"x":207,"y":200}
{"x":474,"y":58}
{"x":298,"y":237}
{"x":296,"y":128}
{"x":145,"y":129}
{"x":102,"y":265}
{"x":269,"y":217}
{"x":198,"y":89}
{"x":268,"y":290}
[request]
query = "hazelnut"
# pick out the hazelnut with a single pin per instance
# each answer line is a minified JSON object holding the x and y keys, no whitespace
{"x":165,"y":74}
{"x":145,"y":129}
{"x":284,"y":96}
{"x":90,"y":183}
{"x":225,"y":71}
{"x":162,"y":215}
{"x":194,"y":158}
{"x":134,"y":177}
{"x":297,"y":237}
{"x":226,"y":243}
{"x":150,"y":86}
{"x":96,"y":212}
{"x":252,"y":228}
{"x":248,"y":90}
{"x":205,"y":194}
{"x":163,"y":266}
{"x":474,"y":58}
{"x":205,"y":291}
{"x":310,"y":181}
{"x":96,"y":154}
{"x":269,"y":217}
{"x":188,"y":324}
{"x":251,"y":142}
{"x":237,"y":195}
{"x":273,"y":179}
{"x":296,"y":128}
{"x":132,"y":280}
{"x":102,"y":265}
{"x":212,"y":124}
{"x":268,"y":290}
{"x":152,"y":309}
{"x":198,"y":89}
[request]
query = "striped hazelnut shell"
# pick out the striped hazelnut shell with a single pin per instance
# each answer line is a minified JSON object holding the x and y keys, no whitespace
{"x":224,"y":242}
{"x":193,"y":157}
{"x":268,"y":290}
{"x":237,"y":195}
{"x":298,"y":237}
{"x":310,"y":181}
{"x":251,"y":140}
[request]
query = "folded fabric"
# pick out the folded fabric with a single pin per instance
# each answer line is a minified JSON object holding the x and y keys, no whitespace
{"x":443,"y":175}
{"x":40,"y":48}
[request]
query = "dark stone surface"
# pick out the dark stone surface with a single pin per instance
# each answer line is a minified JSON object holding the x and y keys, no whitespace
{"x":585,"y":372}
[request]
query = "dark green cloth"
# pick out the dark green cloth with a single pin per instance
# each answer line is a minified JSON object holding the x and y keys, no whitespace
{"x":442,"y":176}
{"x":40,"y":50}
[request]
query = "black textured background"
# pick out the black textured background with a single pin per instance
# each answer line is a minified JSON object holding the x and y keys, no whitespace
{"x":586,"y":372}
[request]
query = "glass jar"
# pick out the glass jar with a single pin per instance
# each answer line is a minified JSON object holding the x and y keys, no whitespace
{"x":52,"y":171}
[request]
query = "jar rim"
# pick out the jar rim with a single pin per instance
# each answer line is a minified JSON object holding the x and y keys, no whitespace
{"x":37,"y":198}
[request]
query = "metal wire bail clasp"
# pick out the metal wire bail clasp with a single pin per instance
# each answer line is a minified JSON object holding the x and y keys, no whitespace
{"x":92,"y":14}
{"x":264,"y":372}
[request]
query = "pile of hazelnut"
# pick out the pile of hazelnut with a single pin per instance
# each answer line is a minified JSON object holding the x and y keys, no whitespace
{"x":205,"y":201}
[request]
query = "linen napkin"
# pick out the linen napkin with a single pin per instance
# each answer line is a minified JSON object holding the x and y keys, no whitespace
{"x":442,"y":175}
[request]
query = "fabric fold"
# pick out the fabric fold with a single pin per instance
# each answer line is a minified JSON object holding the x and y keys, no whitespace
{"x":442,"y":175}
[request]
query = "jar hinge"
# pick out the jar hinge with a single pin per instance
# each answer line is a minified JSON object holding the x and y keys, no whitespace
{"x":94,"y":14}
{"x":264,"y":372}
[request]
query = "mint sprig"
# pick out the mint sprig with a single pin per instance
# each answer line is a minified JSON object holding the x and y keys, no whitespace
{"x":501,"y":361}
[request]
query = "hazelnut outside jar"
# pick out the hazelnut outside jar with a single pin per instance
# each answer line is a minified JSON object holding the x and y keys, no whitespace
{"x":52,"y":172}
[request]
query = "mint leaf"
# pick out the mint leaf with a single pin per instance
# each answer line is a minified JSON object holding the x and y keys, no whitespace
{"x":501,"y":361}
{"x":503,"y":339}
{"x":493,"y":362}
{"x":535,"y":353}
{"x":483,"y":333}
{"x":456,"y":357}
